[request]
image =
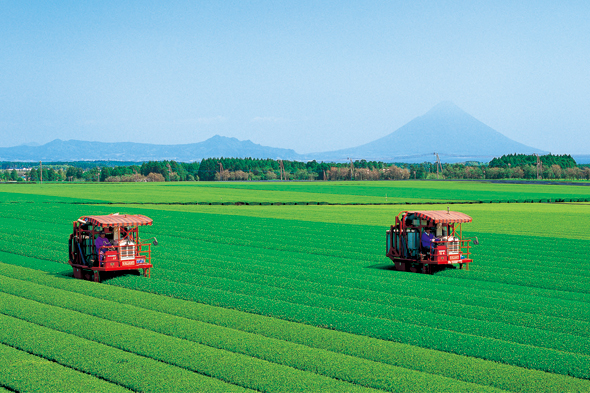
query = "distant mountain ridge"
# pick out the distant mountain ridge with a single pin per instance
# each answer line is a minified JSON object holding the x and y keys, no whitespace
{"x":74,"y":150}
{"x":581,"y":158}
{"x":445,"y":129}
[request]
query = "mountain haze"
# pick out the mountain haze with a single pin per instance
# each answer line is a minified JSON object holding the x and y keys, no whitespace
{"x":73,"y":150}
{"x":445,"y":129}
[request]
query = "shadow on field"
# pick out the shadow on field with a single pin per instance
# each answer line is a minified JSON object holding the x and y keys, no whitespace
{"x":104,"y":276}
{"x":388,"y":266}
{"x":382,"y":266}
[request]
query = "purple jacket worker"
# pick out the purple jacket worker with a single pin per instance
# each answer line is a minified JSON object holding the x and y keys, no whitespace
{"x":427,"y":238}
{"x":100,"y":242}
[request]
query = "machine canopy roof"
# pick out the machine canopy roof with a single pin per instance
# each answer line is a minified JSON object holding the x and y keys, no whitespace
{"x":113,"y":220}
{"x":442,"y":216}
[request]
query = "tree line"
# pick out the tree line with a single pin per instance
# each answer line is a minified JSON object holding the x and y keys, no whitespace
{"x":513,"y":166}
{"x":520,"y":160}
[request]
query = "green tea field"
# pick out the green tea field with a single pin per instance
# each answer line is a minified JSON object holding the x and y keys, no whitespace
{"x":280,"y":294}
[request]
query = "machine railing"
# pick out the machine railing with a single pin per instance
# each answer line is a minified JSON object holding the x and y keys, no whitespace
{"x":454,"y":246}
{"x":147,"y":254}
{"x":124,"y":255}
{"x":465,"y":248}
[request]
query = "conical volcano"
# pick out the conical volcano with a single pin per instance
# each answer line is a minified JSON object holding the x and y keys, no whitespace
{"x":445,"y":129}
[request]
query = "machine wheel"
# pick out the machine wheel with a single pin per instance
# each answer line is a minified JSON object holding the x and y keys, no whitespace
{"x":71,"y":247}
{"x":96,"y":276}
{"x":426,"y":269}
{"x":77,"y":272}
{"x":401,"y":266}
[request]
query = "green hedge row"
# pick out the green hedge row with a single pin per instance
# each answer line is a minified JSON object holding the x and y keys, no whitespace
{"x":550,"y":360}
{"x":414,"y":304}
{"x":221,"y":365}
{"x":32,"y":250}
{"x":438,"y":363}
{"x":239,"y":203}
{"x":422,"y":320}
{"x":111,"y":364}
{"x":23,"y":372}
{"x":333,"y":365}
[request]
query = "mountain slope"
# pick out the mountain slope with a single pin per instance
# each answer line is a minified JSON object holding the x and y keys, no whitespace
{"x":73,"y":150}
{"x":445,"y":129}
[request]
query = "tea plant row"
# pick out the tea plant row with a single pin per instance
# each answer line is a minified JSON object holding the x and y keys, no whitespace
{"x":341,"y":367}
{"x":131,"y":307}
{"x":24,"y":372}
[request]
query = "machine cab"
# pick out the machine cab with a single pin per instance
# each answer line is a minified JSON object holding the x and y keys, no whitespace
{"x":419,"y":240}
{"x":109,"y":243}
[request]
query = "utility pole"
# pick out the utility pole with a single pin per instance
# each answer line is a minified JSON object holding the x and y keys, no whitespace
{"x":438,"y":164}
{"x":41,"y":171}
{"x":220,"y":170}
{"x":169,"y":171}
{"x":539,"y":167}
{"x":281,"y":169}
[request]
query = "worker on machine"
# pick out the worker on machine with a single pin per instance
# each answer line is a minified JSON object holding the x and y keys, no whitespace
{"x":427,"y":239}
{"x":100,"y":242}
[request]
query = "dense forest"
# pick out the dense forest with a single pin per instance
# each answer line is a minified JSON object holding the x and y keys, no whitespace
{"x":514,"y":160}
{"x":512,"y":166}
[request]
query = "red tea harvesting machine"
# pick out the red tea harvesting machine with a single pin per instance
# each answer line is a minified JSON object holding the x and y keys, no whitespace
{"x":109,"y":243}
{"x":423,"y":241}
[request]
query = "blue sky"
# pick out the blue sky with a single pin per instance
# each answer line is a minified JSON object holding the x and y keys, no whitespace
{"x":311,"y":76}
